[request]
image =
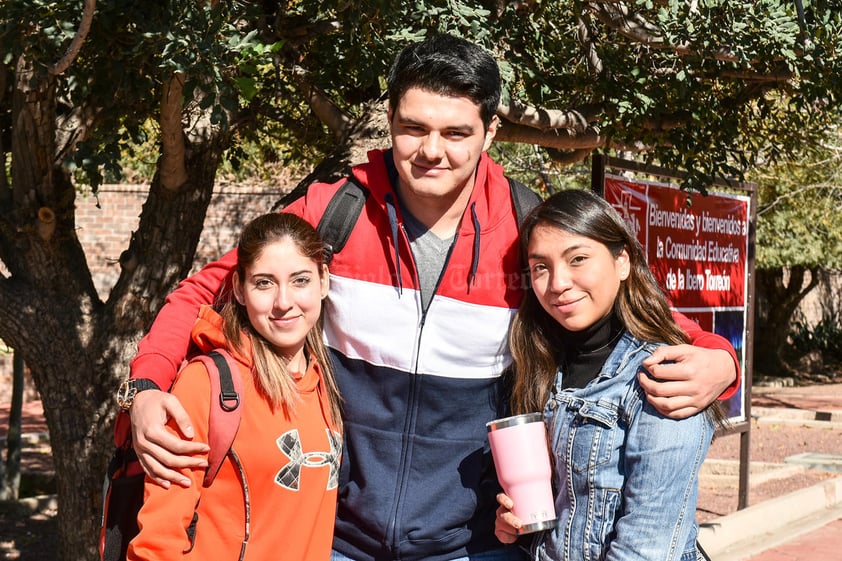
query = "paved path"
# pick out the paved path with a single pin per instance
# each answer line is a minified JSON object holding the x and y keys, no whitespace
{"x":32,"y":418}
{"x":817,"y":535}
{"x":824,"y":544}
{"x":824,"y":397}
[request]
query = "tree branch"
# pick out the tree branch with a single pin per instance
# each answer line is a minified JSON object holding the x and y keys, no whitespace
{"x":78,"y":39}
{"x":616,"y":16}
{"x":774,"y":77}
{"x":586,"y":39}
{"x":73,"y":127}
{"x":576,"y":120}
{"x":568,"y":157}
{"x":779,"y":199}
{"x":5,"y":190}
{"x":795,"y":290}
{"x":668,"y":122}
{"x":325,"y":110}
{"x":561,"y":139}
{"x":173,"y":170}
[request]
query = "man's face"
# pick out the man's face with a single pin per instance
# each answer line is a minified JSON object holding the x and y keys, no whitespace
{"x":437,"y":142}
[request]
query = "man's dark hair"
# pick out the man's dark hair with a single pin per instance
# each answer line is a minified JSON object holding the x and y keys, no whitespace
{"x":451,"y":66}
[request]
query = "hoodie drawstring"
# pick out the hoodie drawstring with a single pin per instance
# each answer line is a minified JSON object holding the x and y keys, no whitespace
{"x":472,"y":278}
{"x":393,"y":223}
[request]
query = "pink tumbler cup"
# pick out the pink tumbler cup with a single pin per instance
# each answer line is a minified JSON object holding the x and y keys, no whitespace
{"x":522,"y":459}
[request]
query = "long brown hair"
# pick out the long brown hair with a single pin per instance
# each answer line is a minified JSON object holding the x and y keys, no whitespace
{"x":536,"y":338}
{"x":272,"y":377}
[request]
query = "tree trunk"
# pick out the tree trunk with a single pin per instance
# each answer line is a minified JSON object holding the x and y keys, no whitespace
{"x":778,"y":298}
{"x":76,"y":346}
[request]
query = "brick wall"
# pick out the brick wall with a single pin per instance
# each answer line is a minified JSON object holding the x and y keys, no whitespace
{"x":105,"y":224}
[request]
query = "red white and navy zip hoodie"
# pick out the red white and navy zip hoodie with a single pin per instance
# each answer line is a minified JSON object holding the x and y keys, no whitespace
{"x":418,"y":386}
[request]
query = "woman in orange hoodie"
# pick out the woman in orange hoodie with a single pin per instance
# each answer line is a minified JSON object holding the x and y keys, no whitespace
{"x":275,"y":495}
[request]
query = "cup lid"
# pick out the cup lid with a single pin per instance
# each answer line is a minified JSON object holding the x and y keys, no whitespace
{"x":514,"y":420}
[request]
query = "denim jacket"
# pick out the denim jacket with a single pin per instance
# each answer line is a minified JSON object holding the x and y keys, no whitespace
{"x":625,"y":477}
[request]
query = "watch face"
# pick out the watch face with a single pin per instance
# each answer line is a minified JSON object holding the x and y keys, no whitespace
{"x":125,"y":394}
{"x":129,"y":388}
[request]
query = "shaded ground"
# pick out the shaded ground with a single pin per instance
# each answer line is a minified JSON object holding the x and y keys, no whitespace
{"x":27,"y":535}
{"x":32,"y":536}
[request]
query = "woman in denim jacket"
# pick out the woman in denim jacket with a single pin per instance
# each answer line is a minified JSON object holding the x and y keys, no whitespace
{"x":625,"y":476}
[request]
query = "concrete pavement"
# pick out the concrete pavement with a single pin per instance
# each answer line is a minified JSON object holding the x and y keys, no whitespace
{"x":756,"y":532}
{"x":805,"y":525}
{"x":821,"y":544}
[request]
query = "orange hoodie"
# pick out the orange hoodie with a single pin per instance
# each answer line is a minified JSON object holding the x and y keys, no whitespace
{"x":278,"y":502}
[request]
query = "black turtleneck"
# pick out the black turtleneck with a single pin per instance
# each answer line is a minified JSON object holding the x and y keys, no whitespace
{"x":586,"y":351}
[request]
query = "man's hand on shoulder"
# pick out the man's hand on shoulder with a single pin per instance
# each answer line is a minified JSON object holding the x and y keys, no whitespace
{"x":160,"y":452}
{"x":686,"y":379}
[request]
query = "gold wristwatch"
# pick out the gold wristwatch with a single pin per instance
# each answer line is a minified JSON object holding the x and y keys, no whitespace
{"x":130,"y":388}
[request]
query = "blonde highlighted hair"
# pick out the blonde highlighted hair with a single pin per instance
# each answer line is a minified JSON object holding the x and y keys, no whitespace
{"x":272,"y":377}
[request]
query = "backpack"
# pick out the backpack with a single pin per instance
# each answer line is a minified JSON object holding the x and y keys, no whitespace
{"x":342,"y":211}
{"x":122,"y":494}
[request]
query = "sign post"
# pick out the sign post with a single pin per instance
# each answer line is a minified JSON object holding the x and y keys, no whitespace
{"x":701,"y":250}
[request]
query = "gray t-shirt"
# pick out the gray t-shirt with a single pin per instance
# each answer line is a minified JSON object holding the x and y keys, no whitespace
{"x":430,"y":252}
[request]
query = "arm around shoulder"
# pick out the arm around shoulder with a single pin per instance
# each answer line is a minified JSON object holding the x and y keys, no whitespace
{"x":164,"y":348}
{"x":160,"y":354}
{"x":682,"y":380}
{"x":708,"y":341}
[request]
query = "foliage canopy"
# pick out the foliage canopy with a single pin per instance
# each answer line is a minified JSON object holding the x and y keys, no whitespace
{"x":712,"y":87}
{"x":801,"y":209}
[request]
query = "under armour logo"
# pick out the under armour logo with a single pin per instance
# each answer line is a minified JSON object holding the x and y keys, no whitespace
{"x":290,"y":475}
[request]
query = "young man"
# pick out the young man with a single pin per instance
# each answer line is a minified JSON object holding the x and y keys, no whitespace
{"x":420,"y":304}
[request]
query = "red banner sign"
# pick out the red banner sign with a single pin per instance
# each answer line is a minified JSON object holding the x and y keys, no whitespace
{"x":696,"y":244}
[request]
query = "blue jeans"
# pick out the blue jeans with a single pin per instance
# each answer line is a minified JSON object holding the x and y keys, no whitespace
{"x":506,"y":554}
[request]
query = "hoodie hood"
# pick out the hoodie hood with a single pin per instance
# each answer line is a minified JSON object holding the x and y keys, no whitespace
{"x":488,"y":207}
{"x":207,"y":334}
{"x":491,"y":203}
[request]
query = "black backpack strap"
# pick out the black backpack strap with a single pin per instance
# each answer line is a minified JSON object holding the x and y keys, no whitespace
{"x":524,"y":199}
{"x":342,"y":212}
{"x":229,"y":397}
{"x":341,"y":215}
